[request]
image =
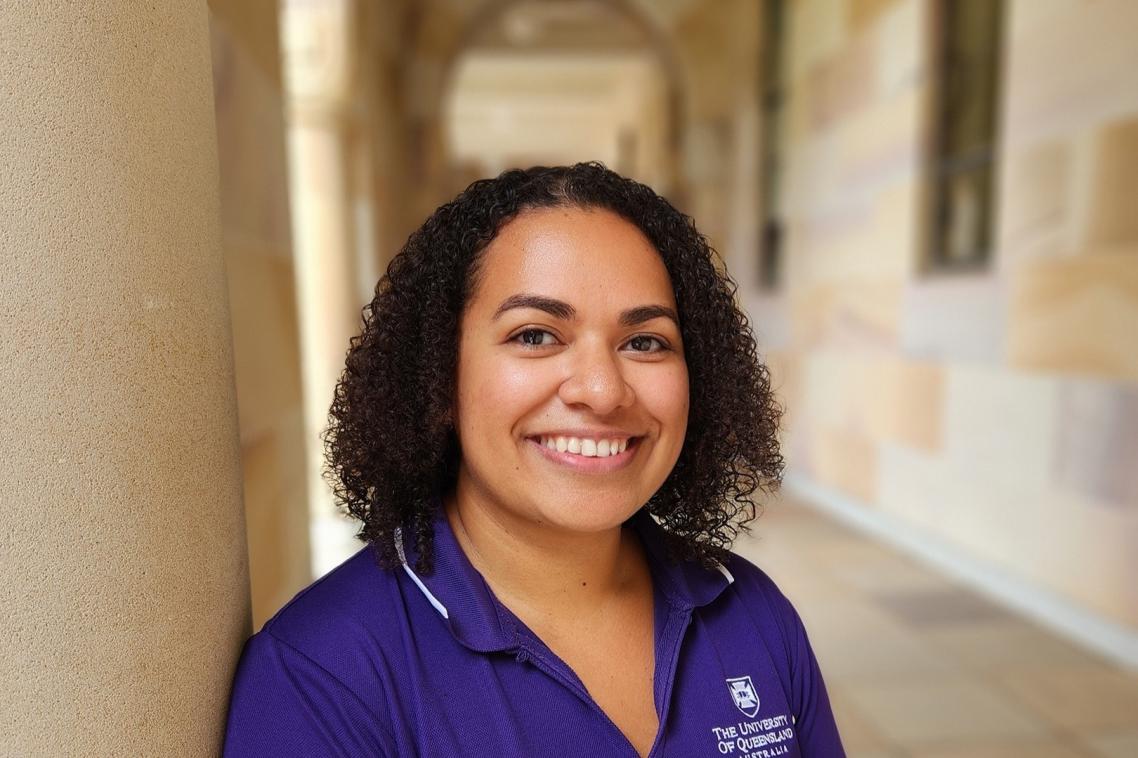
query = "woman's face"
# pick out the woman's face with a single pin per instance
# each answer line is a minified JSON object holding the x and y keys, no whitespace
{"x":569,"y":350}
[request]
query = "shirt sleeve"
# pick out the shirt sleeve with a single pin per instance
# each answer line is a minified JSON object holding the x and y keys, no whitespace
{"x":284,"y":703}
{"x":815,"y":727}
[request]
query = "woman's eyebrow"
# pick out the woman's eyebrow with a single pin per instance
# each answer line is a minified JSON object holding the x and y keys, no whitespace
{"x":642,"y":313}
{"x":565,"y":312}
{"x":555,"y":308}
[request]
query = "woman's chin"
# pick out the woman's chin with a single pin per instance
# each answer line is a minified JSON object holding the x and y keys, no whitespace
{"x":588,"y":516}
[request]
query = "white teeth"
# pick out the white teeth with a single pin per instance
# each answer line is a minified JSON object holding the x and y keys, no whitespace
{"x":585,"y":446}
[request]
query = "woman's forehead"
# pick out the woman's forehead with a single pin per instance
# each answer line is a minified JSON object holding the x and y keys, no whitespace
{"x":585,"y":257}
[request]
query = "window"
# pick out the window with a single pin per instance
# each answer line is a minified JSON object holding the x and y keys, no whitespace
{"x":966,"y":89}
{"x":773,"y":103}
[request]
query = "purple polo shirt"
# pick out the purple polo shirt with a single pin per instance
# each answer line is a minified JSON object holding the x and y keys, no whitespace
{"x":367,"y":662}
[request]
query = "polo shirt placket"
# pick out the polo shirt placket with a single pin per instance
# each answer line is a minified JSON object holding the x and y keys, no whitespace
{"x":667,"y":648}
{"x":454,"y":575}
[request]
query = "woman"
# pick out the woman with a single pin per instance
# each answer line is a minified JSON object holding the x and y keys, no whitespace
{"x":550,"y":428}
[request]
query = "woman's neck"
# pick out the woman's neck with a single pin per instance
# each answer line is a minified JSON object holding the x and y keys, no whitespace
{"x":541,"y":571}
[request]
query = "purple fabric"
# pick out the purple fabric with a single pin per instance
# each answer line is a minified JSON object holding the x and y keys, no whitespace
{"x":363,"y":663}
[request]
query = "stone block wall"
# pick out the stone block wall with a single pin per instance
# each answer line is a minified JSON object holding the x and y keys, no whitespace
{"x":995,"y":411}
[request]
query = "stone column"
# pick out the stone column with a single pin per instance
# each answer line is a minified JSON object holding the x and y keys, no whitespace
{"x":318,"y":57}
{"x":123,"y":570}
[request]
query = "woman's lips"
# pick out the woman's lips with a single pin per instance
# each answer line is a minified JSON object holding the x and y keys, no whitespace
{"x":587,"y":464}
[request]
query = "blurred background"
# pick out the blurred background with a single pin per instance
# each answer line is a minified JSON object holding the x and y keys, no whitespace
{"x":929,"y":206}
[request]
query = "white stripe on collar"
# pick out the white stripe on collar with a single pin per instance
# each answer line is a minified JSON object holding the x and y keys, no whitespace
{"x":434,"y":601}
{"x":438,"y":606}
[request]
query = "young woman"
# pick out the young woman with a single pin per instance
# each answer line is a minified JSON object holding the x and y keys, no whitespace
{"x":551,"y":428}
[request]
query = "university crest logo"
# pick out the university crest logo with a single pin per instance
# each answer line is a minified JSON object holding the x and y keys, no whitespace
{"x":744,"y":695}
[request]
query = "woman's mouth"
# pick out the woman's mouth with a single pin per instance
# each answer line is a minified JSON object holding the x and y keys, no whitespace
{"x":587,"y":453}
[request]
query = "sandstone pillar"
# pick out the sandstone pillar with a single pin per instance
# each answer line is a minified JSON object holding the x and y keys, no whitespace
{"x":123,"y":570}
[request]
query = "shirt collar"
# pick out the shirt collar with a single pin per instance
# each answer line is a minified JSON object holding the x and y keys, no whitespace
{"x":686,"y":584}
{"x":462,"y":598}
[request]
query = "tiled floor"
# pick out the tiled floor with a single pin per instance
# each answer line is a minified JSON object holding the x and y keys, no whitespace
{"x":918,"y":666}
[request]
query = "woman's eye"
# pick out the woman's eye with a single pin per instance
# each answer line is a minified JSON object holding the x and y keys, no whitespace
{"x":645,"y":344}
{"x":535,"y":338}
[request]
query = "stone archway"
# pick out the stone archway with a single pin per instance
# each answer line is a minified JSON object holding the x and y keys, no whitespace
{"x":432,"y":75}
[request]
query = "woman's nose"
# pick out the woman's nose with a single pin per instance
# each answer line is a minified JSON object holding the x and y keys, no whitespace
{"x":596,"y":381}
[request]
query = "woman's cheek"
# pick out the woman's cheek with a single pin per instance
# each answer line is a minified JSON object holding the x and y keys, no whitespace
{"x":665,"y":393}
{"x":508,"y":390}
{"x":511,"y":380}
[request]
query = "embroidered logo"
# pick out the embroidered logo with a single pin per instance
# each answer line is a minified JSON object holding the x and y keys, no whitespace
{"x":743,"y":693}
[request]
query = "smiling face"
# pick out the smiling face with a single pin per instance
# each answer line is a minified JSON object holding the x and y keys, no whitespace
{"x":569,"y":343}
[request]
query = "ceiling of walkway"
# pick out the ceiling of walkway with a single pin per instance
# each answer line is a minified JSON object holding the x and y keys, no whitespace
{"x":665,"y":13}
{"x":577,"y":25}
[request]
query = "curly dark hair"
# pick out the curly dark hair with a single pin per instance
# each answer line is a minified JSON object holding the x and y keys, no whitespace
{"x":391,"y":449}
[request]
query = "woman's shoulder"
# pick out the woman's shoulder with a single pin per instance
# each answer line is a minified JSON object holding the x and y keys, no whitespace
{"x":347,"y":609}
{"x":762,"y":598}
{"x":311,"y":671}
{"x":749,"y":578}
{"x":764,"y":605}
{"x":758,"y":609}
